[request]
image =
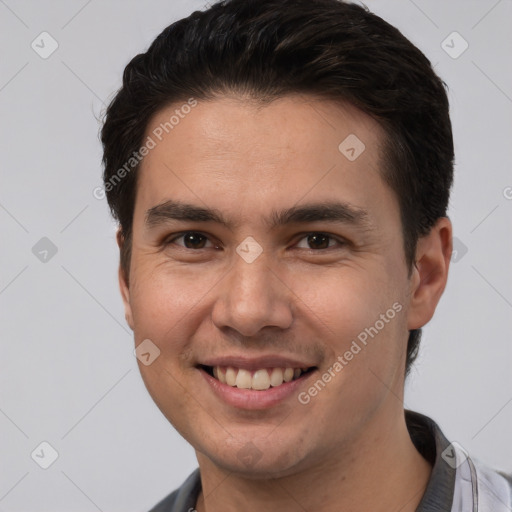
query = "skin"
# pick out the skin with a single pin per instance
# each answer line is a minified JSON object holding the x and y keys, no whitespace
{"x":348,"y":448}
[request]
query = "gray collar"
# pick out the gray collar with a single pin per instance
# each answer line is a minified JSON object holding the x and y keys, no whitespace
{"x":431,"y":442}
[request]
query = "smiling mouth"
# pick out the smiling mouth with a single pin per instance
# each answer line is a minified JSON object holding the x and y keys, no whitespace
{"x":259,"y":380}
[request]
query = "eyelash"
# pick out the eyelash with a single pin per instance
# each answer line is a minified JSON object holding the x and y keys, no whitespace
{"x":169,"y":241}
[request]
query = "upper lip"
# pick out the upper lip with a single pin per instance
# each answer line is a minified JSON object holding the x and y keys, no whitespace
{"x":256,"y":363}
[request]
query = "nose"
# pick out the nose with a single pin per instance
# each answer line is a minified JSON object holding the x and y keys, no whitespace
{"x":251,"y":297}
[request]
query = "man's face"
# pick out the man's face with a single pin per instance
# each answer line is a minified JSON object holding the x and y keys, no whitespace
{"x":309,"y":260}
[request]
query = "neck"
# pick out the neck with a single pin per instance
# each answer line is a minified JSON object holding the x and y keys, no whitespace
{"x":381,"y":470}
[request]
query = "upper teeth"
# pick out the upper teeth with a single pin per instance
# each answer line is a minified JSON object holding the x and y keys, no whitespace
{"x":260,"y":379}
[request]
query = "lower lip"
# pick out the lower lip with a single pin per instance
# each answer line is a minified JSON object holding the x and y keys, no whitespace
{"x":252,"y":399}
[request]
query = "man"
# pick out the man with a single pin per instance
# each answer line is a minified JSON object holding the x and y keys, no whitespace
{"x":280,"y":171}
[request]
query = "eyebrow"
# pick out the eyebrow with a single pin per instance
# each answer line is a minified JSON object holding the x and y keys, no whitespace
{"x":328,"y":211}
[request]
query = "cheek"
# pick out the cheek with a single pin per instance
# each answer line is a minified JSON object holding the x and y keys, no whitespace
{"x":341,"y":302}
{"x":362,"y":348}
{"x":165,"y":300}
{"x":165,"y":308}
{"x":357,"y":314}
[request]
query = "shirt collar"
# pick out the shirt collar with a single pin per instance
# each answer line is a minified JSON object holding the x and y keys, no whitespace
{"x":431,"y":442}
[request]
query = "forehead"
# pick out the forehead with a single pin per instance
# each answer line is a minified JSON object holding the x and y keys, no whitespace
{"x":236,"y":154}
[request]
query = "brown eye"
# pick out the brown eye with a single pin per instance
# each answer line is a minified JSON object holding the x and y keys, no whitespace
{"x":194,"y":240}
{"x":191,"y":240}
{"x":318,"y":241}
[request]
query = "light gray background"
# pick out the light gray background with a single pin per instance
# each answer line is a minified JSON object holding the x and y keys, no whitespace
{"x":68,"y":375}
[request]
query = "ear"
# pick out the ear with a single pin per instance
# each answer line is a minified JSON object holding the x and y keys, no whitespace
{"x":124,"y":283}
{"x":430,"y":273}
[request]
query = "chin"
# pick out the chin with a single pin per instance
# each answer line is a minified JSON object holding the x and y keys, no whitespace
{"x":258,"y":459}
{"x":263,"y":469}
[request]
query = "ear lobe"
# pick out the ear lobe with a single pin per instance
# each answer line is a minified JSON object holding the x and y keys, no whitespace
{"x":124,"y":283}
{"x":430,"y":273}
{"x":119,"y":238}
